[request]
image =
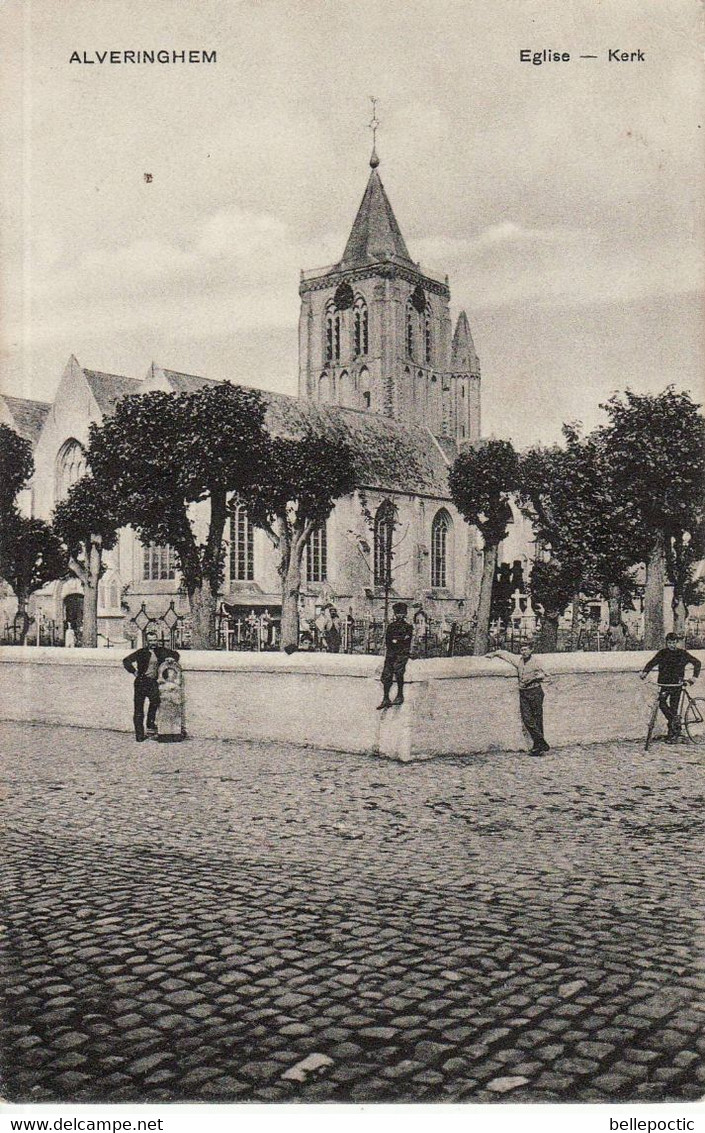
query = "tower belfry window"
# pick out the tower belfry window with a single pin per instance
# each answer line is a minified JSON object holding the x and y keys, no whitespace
{"x":428,"y":337}
{"x":360,"y":327}
{"x":333,"y":333}
{"x":409,"y":329}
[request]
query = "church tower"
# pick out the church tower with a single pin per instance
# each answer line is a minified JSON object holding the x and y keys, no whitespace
{"x":375,"y":331}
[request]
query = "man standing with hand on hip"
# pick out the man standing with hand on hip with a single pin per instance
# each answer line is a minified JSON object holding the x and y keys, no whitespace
{"x":144,"y":664}
{"x":531,"y":680}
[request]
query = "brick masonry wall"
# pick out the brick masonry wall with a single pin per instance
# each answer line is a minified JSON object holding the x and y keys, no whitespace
{"x":455,"y":706}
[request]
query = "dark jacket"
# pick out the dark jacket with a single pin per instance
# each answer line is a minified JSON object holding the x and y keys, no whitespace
{"x":138,"y":662}
{"x":399,"y":638}
{"x":672,"y":665}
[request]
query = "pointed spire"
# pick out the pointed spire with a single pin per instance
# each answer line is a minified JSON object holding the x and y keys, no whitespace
{"x":464,"y":356}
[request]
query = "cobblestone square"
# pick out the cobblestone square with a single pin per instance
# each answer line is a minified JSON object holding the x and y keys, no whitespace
{"x":236,"y":922}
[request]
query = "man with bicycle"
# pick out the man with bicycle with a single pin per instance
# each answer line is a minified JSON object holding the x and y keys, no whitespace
{"x":672,"y":663}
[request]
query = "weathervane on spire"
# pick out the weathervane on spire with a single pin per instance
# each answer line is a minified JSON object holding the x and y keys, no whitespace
{"x":374,"y":126}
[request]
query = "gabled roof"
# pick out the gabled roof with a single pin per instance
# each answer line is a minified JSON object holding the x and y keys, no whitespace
{"x":28,"y":416}
{"x":375,"y":235}
{"x":183,"y":383}
{"x":109,"y":388}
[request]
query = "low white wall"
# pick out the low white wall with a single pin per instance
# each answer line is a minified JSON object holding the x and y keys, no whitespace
{"x":453,"y":706}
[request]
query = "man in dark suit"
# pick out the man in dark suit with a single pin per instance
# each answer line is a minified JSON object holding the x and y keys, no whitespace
{"x":144,"y":664}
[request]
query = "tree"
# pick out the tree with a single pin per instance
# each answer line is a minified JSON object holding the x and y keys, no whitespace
{"x":31,"y":555}
{"x":655,"y":446}
{"x":298,"y":486}
{"x":16,"y":469}
{"x":567,"y":493}
{"x":553,"y":585}
{"x":481,"y":483}
{"x":87,"y":523}
{"x":165,"y":452}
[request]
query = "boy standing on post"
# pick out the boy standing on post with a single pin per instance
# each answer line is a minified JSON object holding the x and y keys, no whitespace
{"x":672,"y":663}
{"x":398,"y":642}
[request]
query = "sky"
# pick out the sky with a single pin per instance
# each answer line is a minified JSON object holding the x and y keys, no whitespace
{"x":564,"y":201}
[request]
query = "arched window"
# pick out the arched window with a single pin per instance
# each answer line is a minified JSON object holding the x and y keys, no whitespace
{"x":410,"y":316}
{"x":365,"y":391}
{"x":360,"y":327}
{"x":333,"y":332}
{"x":441,"y":530}
{"x":346,"y":388}
{"x":330,"y":318}
{"x":337,"y":331}
{"x":428,"y":337}
{"x":317,"y":556}
{"x":70,"y":467}
{"x":385,"y":522}
{"x":323,"y":388}
{"x":242,"y":546}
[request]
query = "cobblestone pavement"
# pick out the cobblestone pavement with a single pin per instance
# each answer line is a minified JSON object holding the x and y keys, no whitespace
{"x":235,"y":922}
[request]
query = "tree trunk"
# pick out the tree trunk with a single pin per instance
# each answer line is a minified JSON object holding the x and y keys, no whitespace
{"x":291,"y":587}
{"x":680,"y":615}
{"x":575,"y":620}
{"x":22,"y":598}
{"x":549,"y":631}
{"x":614,"y":604}
{"x":482,"y":631}
{"x":202,"y":603}
{"x":90,"y":595}
{"x":653,"y":598}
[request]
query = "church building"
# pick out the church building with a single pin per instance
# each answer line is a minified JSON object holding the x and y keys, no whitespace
{"x":379,"y":360}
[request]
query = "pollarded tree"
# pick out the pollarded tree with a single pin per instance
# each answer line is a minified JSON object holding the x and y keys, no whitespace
{"x":299,"y":483}
{"x":655,"y":446}
{"x":552,"y":587}
{"x":165,"y":452}
{"x":482,"y":480}
{"x":87,"y":523}
{"x":16,"y":468}
{"x":567,"y":494}
{"x":31,"y":554}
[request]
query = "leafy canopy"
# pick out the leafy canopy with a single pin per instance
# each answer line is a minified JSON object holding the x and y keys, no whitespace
{"x":655,"y":446}
{"x":87,"y":513}
{"x":16,"y":467}
{"x":300,"y":482}
{"x":163,"y":452}
{"x":481,"y":483}
{"x":31,"y":554}
{"x":568,"y":494}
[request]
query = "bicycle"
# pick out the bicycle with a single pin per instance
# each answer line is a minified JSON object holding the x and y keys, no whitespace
{"x":690,"y":715}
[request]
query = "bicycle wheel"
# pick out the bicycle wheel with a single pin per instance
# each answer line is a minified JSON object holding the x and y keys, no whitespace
{"x":695,"y":720}
{"x":652,"y":725}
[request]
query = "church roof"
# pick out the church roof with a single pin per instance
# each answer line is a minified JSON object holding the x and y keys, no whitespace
{"x":108,"y":388}
{"x":388,"y":455}
{"x":375,"y":235}
{"x":184,"y":383}
{"x":28,"y":416}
